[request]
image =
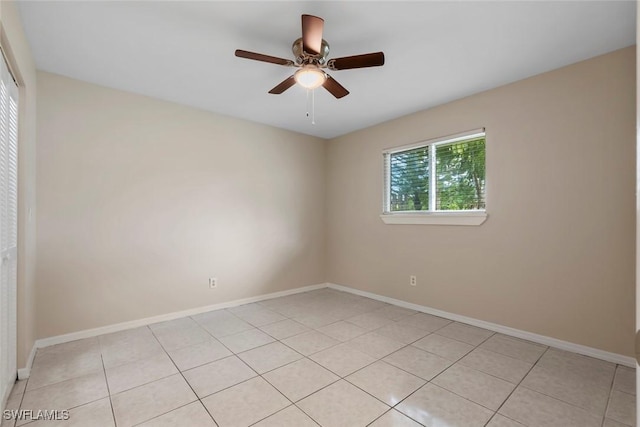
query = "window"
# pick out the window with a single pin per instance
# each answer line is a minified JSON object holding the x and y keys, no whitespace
{"x":437,"y":181}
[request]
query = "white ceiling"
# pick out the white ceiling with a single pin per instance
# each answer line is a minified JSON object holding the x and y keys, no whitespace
{"x":183,"y":51}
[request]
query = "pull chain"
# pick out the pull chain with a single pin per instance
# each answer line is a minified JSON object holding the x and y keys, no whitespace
{"x":311,"y":105}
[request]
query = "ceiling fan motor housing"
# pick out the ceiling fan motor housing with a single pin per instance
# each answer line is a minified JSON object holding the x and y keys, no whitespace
{"x":303,"y":57}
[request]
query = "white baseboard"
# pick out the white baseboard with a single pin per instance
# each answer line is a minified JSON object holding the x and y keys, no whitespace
{"x":541,"y":339}
{"x":24,"y":373}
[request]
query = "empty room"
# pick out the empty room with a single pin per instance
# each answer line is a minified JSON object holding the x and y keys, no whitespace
{"x":318,"y":213}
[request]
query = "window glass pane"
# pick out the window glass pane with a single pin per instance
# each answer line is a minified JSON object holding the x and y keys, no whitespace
{"x":460,"y":172}
{"x":409,"y":175}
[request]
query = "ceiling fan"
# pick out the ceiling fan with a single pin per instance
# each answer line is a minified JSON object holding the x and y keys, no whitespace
{"x":310,"y":52}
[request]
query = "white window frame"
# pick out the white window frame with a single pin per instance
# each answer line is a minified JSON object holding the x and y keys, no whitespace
{"x":465,"y":217}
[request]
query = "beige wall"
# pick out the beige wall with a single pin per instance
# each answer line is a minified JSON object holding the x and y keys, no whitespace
{"x":556,"y":255}
{"x":16,"y":48}
{"x":140,"y":201}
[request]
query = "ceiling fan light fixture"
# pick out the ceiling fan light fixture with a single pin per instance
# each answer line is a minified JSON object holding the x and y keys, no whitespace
{"x":310,"y":77}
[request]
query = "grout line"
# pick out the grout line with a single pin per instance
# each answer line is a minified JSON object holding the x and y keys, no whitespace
{"x":183,"y":378}
{"x":606,"y":407}
{"x":165,"y":413}
{"x":569,"y":403}
{"x":454,"y":363}
{"x":104,"y":370}
{"x":516,"y":387}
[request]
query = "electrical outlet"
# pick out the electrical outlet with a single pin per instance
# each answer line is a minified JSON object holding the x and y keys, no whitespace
{"x":412,"y":280}
{"x":213,"y":282}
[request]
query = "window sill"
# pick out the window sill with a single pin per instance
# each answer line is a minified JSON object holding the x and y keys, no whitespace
{"x":435,"y":218}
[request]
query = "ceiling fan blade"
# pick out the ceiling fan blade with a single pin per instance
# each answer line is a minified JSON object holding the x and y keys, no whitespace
{"x":264,"y":58}
{"x":312,"y":28}
{"x":335,"y":88}
{"x":357,"y":61}
{"x":284,"y":85}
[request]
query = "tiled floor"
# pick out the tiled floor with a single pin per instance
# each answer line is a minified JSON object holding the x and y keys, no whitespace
{"x":322,"y":358}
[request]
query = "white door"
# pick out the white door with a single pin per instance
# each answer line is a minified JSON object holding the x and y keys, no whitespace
{"x":8,"y":228}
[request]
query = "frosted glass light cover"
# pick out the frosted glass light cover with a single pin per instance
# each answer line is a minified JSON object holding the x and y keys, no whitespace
{"x":310,"y":77}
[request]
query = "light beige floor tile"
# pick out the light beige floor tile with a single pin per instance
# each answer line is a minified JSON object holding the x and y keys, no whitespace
{"x":142,"y":403}
{"x":622,"y":408}
{"x":343,"y":311}
{"x":564,"y":389}
{"x":534,"y":409}
{"x":259,"y":316}
{"x":299,"y":379}
{"x":369,"y":321}
{"x":221,"y":323}
{"x":342,"y":331}
{"x":465,"y":333}
{"x":18,"y":388}
{"x":278,"y":305}
{"x":476,"y":386}
{"x":514,"y":347}
{"x":368,"y":304}
{"x":342,"y":405}
{"x":246,"y":340}
{"x":625,"y":380}
{"x":13,"y":404}
{"x":505,"y":367}
{"x":128,"y":346}
{"x":375,"y":345}
{"x":291,"y":310}
{"x":342,"y":359}
{"x":96,"y":414}
{"x":65,"y":361}
{"x":597,"y":372}
{"x":288,"y":417}
{"x":394,"y":418}
{"x":310,"y":342}
{"x":191,"y":415}
{"x":245,"y":403}
{"x":403,"y":333}
{"x":425,"y":321}
{"x":284,"y":329}
{"x":316,"y":320}
{"x":246,"y":308}
{"x":432,"y":405}
{"x":87,"y":345}
{"x":443,"y":346}
{"x":9,"y":422}
{"x":179,"y":333}
{"x":286,"y":302}
{"x":215,"y":376}
{"x":611,"y":423}
{"x":67,"y":394}
{"x":134,"y":374}
{"x":394,"y":312}
{"x":418,"y":362}
{"x":125,"y":337}
{"x":502,"y":421}
{"x":199,"y":354}
{"x":386,"y":382}
{"x":568,"y":388}
{"x":270,"y":356}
